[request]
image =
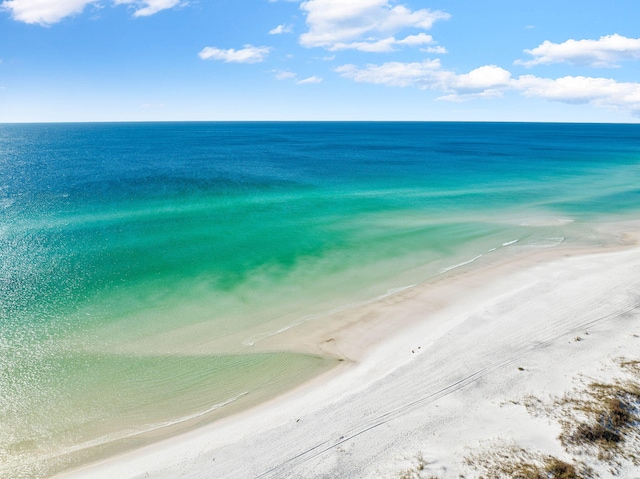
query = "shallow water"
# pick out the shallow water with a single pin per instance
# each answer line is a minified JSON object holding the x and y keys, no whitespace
{"x":141,"y":263}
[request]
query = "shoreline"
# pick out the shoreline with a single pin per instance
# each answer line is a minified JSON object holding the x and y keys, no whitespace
{"x":312,"y":427}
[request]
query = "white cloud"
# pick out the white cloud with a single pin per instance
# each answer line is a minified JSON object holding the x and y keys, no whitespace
{"x":339,"y":24}
{"x":481,"y":79}
{"x":44,"y":12}
{"x":248,"y":54}
{"x":281,"y":29}
{"x":429,"y":74}
{"x":288,"y":75}
{"x":283,"y":74}
{"x":605,"y":52}
{"x":384,"y":45}
{"x":144,"y":8}
{"x":48,"y":12}
{"x":483,"y":82}
{"x":492,"y":81}
{"x":313,"y":79}
{"x":437,"y":50}
{"x":601,"y":92}
{"x":415,"y":40}
{"x":419,"y":74}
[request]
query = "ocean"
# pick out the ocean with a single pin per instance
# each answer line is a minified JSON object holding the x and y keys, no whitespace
{"x":142,"y":264}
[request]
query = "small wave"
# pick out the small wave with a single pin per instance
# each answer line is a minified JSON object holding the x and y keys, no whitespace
{"x":126,"y":434}
{"x":546,"y":242}
{"x":509,"y":243}
{"x":153,"y":427}
{"x":259,"y":337}
{"x":492,"y":250}
{"x":545,"y":221}
{"x":460,"y":264}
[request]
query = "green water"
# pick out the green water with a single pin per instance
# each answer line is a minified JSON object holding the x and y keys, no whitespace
{"x":140,"y":264}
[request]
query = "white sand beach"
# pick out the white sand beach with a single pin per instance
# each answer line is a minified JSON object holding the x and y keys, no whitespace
{"x":431,"y":375}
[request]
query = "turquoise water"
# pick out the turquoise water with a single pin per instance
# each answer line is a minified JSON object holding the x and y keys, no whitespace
{"x":140,"y":263}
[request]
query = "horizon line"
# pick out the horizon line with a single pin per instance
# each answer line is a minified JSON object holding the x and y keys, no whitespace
{"x":2,"y":123}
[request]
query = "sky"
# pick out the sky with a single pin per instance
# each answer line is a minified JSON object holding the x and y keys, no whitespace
{"x":395,"y":60}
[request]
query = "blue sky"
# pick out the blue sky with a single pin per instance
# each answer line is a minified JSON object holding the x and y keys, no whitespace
{"x":495,"y":60}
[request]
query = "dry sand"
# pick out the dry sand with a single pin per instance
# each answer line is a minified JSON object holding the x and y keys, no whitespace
{"x":435,"y":372}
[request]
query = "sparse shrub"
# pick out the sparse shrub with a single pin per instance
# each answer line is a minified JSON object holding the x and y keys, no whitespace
{"x":417,"y":471}
{"x":557,"y":469}
{"x":595,"y":434}
{"x":513,"y":462}
{"x":610,"y":410}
